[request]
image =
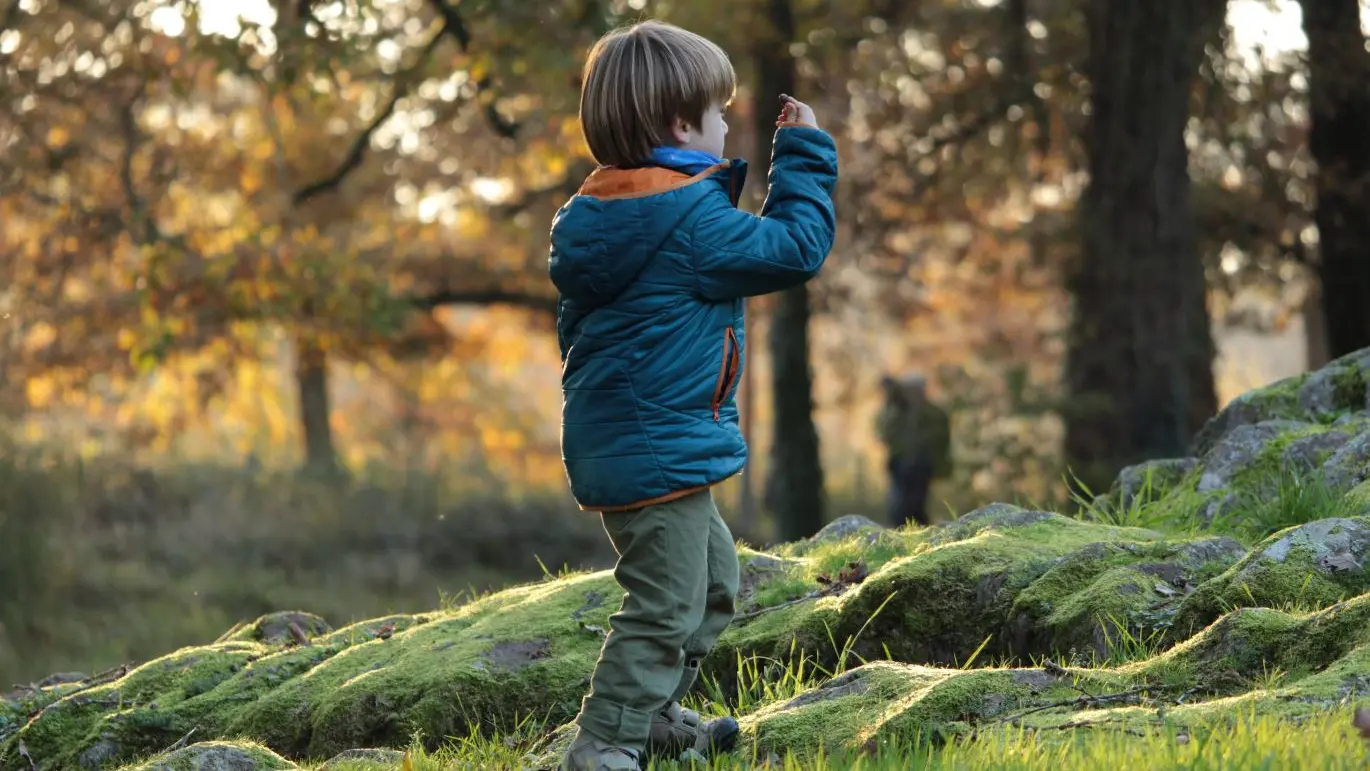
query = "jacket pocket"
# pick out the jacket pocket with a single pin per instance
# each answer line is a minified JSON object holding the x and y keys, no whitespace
{"x":727,"y":374}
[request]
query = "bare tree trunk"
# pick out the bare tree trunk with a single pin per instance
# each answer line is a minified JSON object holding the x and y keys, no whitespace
{"x":311,"y":378}
{"x":1339,"y":68}
{"x":1316,"y":353}
{"x":1140,"y":356}
{"x":747,"y":509}
{"x":794,"y":482}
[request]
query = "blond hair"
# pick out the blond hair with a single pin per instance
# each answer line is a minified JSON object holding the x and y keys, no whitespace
{"x":639,"y":79}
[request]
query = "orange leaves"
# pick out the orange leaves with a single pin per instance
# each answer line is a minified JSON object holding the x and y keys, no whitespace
{"x":40,"y":391}
{"x":58,"y":136}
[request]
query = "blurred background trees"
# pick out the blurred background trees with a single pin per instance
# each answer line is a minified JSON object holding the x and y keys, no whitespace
{"x":241,"y":238}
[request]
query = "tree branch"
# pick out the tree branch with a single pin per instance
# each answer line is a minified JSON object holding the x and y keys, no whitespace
{"x":139,"y":216}
{"x":11,"y":13}
{"x":541,"y":304}
{"x":357,"y":152}
{"x":456,"y":27}
{"x":567,"y":186}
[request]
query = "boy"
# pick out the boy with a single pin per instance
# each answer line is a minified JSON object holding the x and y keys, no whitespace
{"x":652,"y":260}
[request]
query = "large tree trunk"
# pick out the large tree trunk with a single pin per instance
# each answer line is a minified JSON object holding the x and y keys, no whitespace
{"x":794,"y":483}
{"x":1316,"y":351}
{"x":1339,"y":70}
{"x":311,"y":378}
{"x":1139,"y":363}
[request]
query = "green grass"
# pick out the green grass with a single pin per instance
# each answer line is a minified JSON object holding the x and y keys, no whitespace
{"x":1142,"y":510}
{"x":1300,"y":496}
{"x":1326,"y":742}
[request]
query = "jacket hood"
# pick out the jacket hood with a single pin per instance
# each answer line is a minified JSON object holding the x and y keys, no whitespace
{"x":618,"y":220}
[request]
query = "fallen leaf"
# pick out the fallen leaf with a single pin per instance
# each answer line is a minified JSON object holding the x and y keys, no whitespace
{"x":1165,"y":589}
{"x":854,"y":573}
{"x":592,"y":628}
{"x":1362,"y":721}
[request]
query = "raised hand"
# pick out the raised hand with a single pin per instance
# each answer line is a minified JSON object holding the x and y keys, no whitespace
{"x":794,"y":111}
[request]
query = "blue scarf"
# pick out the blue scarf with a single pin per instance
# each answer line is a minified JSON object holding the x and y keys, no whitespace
{"x":686,"y":161}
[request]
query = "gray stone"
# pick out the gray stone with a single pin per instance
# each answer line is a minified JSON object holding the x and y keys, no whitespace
{"x":842,"y":527}
{"x":364,"y":756}
{"x":1241,"y":449}
{"x":1318,"y":394}
{"x":1308,"y":452}
{"x":274,"y":628}
{"x":1250,"y":408}
{"x":1324,"y":539}
{"x":217,"y":756}
{"x":1198,"y":553}
{"x":1350,"y":464}
{"x":99,"y":754}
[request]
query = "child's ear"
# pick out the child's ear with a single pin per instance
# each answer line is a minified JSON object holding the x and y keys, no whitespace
{"x":681,"y":130}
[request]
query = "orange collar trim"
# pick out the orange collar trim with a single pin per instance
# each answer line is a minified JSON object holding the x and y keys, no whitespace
{"x":608,"y":183}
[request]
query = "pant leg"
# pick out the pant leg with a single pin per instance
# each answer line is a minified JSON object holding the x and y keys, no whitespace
{"x":720,"y":597}
{"x":919,"y":482}
{"x":896,"y":498}
{"x":663,"y":569}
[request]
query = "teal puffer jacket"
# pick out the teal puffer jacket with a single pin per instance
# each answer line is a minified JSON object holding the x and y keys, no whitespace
{"x":651,"y":265}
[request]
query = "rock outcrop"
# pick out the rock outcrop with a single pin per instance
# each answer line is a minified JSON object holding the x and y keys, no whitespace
{"x":1191,"y":577}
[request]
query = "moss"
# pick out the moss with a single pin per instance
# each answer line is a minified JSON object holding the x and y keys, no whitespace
{"x":1349,"y":388}
{"x":1356,"y":502}
{"x":886,"y":702}
{"x":836,"y":714}
{"x":1249,"y":641}
{"x":828,"y":558}
{"x":522,"y":652}
{"x":136,"y":713}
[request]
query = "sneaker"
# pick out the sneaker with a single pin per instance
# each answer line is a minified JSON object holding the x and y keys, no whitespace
{"x":587,"y":753}
{"x":676,"y":729}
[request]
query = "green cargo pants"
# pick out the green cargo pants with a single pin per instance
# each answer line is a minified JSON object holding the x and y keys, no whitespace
{"x":678,"y":567}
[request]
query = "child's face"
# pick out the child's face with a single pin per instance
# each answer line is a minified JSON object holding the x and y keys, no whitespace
{"x":707,"y":137}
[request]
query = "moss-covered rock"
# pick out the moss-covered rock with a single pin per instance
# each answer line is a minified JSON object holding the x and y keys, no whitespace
{"x":363,"y":758}
{"x":1290,"y":665}
{"x":1137,"y":604}
{"x":217,"y":756}
{"x":281,"y":627}
{"x":1145,"y":483}
{"x":1092,"y":597}
{"x":1305,"y":567}
{"x":1277,"y":401}
{"x":951,"y":595}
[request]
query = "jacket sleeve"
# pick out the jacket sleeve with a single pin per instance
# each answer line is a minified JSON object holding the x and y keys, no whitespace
{"x":737,"y":254}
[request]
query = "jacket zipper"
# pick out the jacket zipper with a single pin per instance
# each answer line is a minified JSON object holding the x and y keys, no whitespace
{"x":728,"y":372}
